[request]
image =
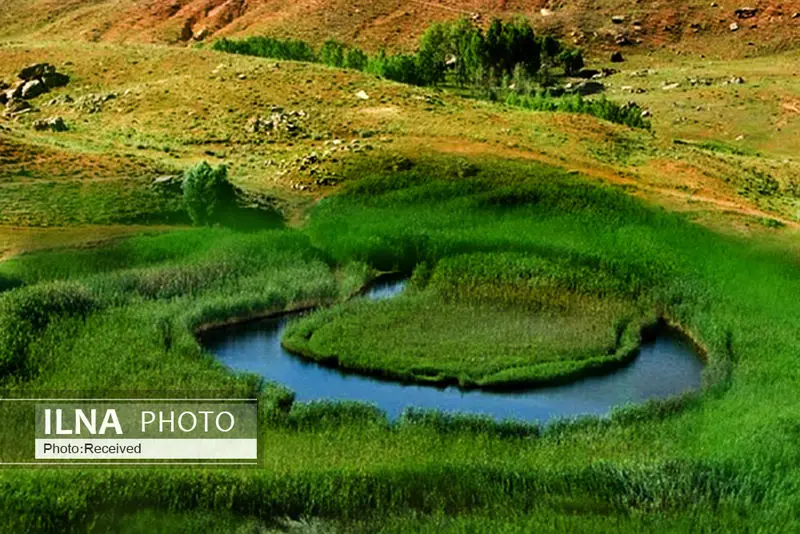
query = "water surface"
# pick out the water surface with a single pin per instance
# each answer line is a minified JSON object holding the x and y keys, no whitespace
{"x":665,"y":366}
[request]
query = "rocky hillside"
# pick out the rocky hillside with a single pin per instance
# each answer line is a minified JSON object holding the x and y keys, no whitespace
{"x":720,"y":28}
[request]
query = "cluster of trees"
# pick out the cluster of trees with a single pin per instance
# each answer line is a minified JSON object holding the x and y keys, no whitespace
{"x":475,"y":57}
{"x":506,"y":55}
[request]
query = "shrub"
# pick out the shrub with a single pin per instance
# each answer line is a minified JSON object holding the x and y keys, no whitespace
{"x":332,"y":53}
{"x":605,"y":109}
{"x":289,"y":49}
{"x":207,"y":193}
{"x":572,"y":60}
{"x":355,"y":58}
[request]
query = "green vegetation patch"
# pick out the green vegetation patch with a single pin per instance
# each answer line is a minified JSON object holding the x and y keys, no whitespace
{"x":422,"y":339}
{"x":485,"y":320}
{"x":122,"y":318}
{"x":101,"y":202}
{"x":508,"y":61}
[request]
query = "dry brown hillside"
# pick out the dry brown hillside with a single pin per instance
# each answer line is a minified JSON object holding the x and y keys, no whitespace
{"x":699,"y":26}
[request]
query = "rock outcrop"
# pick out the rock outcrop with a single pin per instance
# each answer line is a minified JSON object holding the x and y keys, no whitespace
{"x":34,"y":80}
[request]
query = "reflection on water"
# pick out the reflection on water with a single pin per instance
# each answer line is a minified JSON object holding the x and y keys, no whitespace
{"x":666,"y":366}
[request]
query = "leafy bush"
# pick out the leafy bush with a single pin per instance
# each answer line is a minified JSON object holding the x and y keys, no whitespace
{"x":207,"y":193}
{"x":602,"y":108}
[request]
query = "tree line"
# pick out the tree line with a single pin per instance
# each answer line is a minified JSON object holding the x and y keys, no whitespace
{"x":508,"y":61}
{"x":475,"y":57}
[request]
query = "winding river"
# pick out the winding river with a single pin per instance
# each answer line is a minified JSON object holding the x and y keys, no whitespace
{"x":665,"y":366}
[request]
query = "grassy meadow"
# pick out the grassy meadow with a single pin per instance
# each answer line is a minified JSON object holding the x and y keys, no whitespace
{"x":122,"y":317}
{"x":540,"y":247}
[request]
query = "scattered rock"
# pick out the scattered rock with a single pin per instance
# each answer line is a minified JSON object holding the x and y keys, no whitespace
{"x":587,"y":73}
{"x":53,"y":124}
{"x":200,"y":35}
{"x":646,"y":113}
{"x":669,"y":86}
{"x":3,"y":99}
{"x":53,"y":80}
{"x":32,"y":89}
{"x":736,"y":80}
{"x":616,"y":57}
{"x":745,"y":12}
{"x":94,"y":103}
{"x":65,"y":99}
{"x":546,"y":12}
{"x":278,"y":121}
{"x":733,"y":27}
{"x":15,"y":106}
{"x":34,"y":80}
{"x":362,"y":95}
{"x":171,"y":183}
{"x":622,"y":40}
{"x":618,"y":19}
{"x":585,"y":88}
{"x":796,"y":15}
{"x":16,"y":90}
{"x":37,"y":70}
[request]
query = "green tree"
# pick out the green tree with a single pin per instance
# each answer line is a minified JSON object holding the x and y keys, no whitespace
{"x":332,"y":53}
{"x":207,"y":193}
{"x":572,"y":60}
{"x":551,"y":48}
{"x":432,"y":55}
{"x":355,"y":58}
{"x":494,"y":46}
{"x":522,"y":47}
{"x":466,"y":44}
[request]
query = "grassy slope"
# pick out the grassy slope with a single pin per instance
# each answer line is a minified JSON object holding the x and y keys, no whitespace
{"x":688,"y":25}
{"x":184,"y":105}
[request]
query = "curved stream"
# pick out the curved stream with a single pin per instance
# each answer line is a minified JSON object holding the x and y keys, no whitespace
{"x":665,"y":366}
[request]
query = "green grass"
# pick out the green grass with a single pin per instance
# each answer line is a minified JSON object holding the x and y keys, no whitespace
{"x":72,"y":203}
{"x":124,"y":320}
{"x":421,"y":338}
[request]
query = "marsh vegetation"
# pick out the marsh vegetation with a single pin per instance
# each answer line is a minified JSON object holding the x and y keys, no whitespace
{"x":510,"y":237}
